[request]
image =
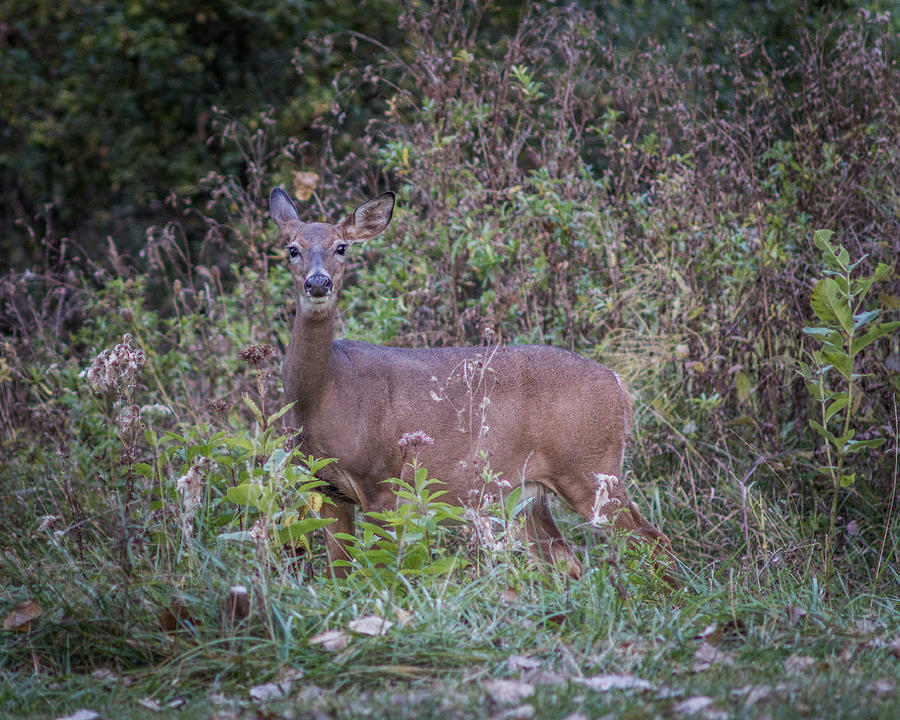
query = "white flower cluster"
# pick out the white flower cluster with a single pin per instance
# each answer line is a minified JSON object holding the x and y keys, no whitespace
{"x":115,"y":369}
{"x":190,"y":485}
{"x":603,"y":500}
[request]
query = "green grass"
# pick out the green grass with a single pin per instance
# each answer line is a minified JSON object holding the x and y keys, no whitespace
{"x":776,"y":651}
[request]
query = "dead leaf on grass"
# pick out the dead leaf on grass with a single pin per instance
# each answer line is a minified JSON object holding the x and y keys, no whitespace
{"x":505,"y":692}
{"x":22,"y":615}
{"x":758,"y":694}
{"x":798,"y":663}
{"x":882,"y":687}
{"x":707,"y":632}
{"x":81,"y":715}
{"x":331,"y":640}
{"x":370,"y":625}
{"x":271,"y":691}
{"x":692,"y":705}
{"x":895,"y":647}
{"x":523,"y":662}
{"x":523,"y":712}
{"x":603,"y":683}
{"x":795,"y":614}
{"x":708,"y":655}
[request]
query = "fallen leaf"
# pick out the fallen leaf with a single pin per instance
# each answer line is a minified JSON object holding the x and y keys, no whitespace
{"x":546,"y":677}
{"x":883,"y":687}
{"x":602,"y":683}
{"x":305,"y":184}
{"x":895,"y":647}
{"x":105,"y":674}
{"x":795,"y":614}
{"x":370,"y":625}
{"x":403,"y":616}
{"x":523,"y":712}
{"x":331,"y":640}
{"x":22,"y":615}
{"x":708,"y":655}
{"x":523,"y":662}
{"x":150,"y":704}
{"x":798,"y":663}
{"x":81,"y":715}
{"x":505,"y":692}
{"x":758,"y":694}
{"x":576,"y":716}
{"x":271,"y":691}
{"x":708,"y":631}
{"x":692,"y":705}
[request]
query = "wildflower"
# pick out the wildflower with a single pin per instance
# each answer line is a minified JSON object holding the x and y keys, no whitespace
{"x":415,"y":439}
{"x":190,"y":485}
{"x":259,"y":532}
{"x":602,"y":499}
{"x":258,"y":355}
{"x":115,"y":369}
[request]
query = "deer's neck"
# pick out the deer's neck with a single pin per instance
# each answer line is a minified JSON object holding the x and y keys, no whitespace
{"x":307,"y":366}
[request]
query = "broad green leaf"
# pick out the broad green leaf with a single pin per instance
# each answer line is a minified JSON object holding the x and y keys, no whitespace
{"x":742,"y":385}
{"x":882,"y":271}
{"x":836,"y":406}
{"x":824,"y":334}
{"x":278,"y":415}
{"x":254,"y":408}
{"x":864,"y":318}
{"x":835,"y":258}
{"x":854,"y":446}
{"x":874,"y":334}
{"x":848,"y":480}
{"x":244,"y":494}
{"x":829,"y":305}
{"x":240,"y":535}
{"x":824,"y":432}
{"x":841,"y":361}
{"x":298,"y":529}
{"x":276,"y":461}
{"x":143,"y":469}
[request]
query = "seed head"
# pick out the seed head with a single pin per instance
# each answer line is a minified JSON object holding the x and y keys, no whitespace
{"x":115,"y":369}
{"x":258,"y":355}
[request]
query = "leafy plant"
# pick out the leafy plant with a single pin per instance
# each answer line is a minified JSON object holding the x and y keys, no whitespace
{"x":845,"y":329}
{"x":405,"y":542}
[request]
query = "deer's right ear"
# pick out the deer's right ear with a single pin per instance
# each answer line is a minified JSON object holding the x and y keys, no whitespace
{"x":281,"y":208}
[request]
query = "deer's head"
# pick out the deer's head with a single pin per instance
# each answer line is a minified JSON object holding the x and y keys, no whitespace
{"x":316,"y":250}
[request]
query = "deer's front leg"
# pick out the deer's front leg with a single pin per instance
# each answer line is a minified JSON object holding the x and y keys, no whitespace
{"x":343,"y":513}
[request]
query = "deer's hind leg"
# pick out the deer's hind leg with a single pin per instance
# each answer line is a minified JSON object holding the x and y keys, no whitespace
{"x":598,"y":494}
{"x":545,"y":541}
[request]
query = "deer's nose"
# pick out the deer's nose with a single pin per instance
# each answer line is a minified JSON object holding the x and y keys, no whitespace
{"x":317,"y":285}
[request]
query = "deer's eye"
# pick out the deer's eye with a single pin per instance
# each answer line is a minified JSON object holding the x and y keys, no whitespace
{"x":292,"y":251}
{"x":341,"y":249}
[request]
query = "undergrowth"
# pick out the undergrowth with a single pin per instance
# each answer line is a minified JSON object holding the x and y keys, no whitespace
{"x":161,"y":533}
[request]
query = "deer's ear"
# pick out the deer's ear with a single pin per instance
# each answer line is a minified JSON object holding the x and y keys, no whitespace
{"x":370,"y":218}
{"x":281,"y":208}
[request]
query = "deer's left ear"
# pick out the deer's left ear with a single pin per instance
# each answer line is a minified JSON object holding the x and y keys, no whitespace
{"x":370,"y":218}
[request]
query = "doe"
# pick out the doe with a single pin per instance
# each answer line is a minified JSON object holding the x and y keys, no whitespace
{"x":542,"y":418}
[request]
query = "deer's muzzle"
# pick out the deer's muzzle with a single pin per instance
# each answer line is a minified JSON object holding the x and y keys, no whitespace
{"x":317,"y":285}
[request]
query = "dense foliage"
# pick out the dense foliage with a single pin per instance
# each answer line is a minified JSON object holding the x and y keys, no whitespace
{"x":625,"y":180}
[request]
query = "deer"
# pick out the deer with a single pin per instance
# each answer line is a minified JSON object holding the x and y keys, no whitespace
{"x":545,"y":419}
